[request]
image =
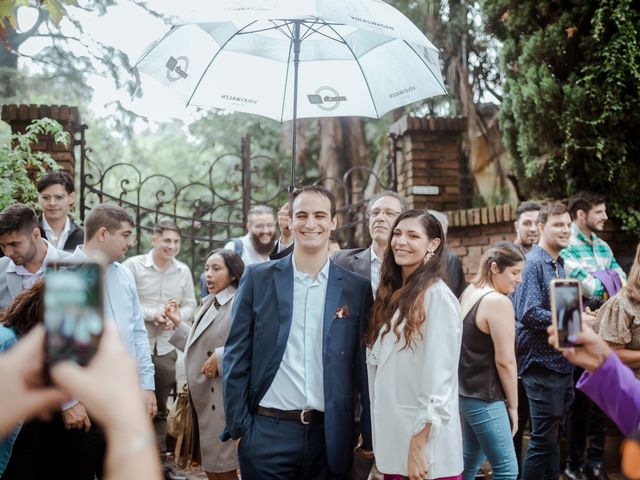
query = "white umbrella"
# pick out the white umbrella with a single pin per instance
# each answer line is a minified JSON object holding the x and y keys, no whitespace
{"x":289,"y":59}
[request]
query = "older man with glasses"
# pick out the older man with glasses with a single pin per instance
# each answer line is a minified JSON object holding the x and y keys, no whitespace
{"x":56,"y":195}
{"x":384,"y":208}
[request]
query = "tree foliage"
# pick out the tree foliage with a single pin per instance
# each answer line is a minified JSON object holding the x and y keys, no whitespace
{"x":19,"y":164}
{"x":571,"y":108}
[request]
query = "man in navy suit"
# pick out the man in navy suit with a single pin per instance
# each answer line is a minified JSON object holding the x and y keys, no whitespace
{"x":294,"y":353}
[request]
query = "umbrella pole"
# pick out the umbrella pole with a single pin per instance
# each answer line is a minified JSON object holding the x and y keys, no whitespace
{"x":296,"y":61}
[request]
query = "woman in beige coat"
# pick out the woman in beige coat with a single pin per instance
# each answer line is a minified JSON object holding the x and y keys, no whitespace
{"x":203,"y":346}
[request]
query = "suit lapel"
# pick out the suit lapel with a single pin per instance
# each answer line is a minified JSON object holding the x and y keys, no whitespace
{"x":205,"y":317}
{"x":389,"y":342}
{"x":283,"y":286}
{"x":14,"y":284}
{"x":331,"y":302}
{"x":362,"y":263}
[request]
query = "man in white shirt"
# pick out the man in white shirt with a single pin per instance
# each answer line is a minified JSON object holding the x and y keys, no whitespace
{"x":56,"y":195}
{"x":294,"y":353}
{"x":26,"y":252}
{"x":160,"y":277}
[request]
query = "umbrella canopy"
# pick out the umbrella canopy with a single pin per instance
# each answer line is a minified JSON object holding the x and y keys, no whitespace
{"x":288,"y":59}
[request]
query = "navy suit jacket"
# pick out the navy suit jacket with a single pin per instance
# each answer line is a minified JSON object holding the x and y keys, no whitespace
{"x":261,"y":321}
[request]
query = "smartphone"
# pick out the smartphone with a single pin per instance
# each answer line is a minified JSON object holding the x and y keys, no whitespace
{"x":73,"y":311}
{"x":566,"y":312}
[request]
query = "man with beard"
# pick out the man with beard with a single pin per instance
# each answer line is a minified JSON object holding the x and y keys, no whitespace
{"x":526,"y":224}
{"x":26,"y":252}
{"x":589,"y":260}
{"x":260,"y":239}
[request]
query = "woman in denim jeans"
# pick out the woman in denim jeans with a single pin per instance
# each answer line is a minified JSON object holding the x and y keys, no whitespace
{"x":487,"y":371}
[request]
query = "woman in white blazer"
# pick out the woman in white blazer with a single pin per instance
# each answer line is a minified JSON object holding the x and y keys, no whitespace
{"x":412,"y":358}
{"x":203,"y":346}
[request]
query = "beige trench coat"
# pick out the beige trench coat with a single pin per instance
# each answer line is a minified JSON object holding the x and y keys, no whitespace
{"x":207,"y":337}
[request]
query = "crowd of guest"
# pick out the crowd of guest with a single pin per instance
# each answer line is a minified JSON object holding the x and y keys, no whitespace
{"x":306,"y":361}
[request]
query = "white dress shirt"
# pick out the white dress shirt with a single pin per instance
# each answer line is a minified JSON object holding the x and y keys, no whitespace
{"x":121,"y":305}
{"x":376,"y":265}
{"x":299,"y":384}
{"x":28,"y":278}
{"x":57,"y":242}
{"x":155,"y":288}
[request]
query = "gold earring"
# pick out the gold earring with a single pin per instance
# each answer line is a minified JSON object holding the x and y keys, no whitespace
{"x":429,"y":255}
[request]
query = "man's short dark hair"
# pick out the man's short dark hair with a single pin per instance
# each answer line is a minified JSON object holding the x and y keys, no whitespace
{"x":404,"y":204}
{"x":56,"y":178}
{"x":110,"y":217}
{"x":18,"y":218}
{"x":584,"y":201}
{"x":165,"y":226}
{"x":527,"y":207}
{"x":550,"y":209}
{"x":317,"y":189}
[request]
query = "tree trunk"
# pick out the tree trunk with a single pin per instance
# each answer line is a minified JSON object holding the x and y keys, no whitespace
{"x":343,"y":148}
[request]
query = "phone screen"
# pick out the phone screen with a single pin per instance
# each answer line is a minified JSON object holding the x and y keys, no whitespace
{"x":567,"y":313}
{"x":73,"y":315}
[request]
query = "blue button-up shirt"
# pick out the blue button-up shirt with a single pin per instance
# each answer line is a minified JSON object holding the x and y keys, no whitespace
{"x":532,"y":302}
{"x":121,"y":304}
{"x":299,"y":384}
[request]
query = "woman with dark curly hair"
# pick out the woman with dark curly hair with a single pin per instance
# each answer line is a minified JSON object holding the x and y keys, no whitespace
{"x":203,"y":345}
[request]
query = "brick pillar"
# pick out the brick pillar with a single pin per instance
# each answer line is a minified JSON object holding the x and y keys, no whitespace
{"x":432,"y":170}
{"x":20,"y":116}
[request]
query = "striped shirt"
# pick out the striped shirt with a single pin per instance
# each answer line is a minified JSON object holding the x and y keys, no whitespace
{"x":584,"y":256}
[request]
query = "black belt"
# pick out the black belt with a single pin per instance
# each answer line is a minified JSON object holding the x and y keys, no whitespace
{"x":305,"y":417}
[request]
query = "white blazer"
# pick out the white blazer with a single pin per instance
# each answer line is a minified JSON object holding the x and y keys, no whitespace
{"x":410,"y":388}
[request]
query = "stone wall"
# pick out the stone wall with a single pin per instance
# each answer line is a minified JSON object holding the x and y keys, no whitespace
{"x":20,"y":116}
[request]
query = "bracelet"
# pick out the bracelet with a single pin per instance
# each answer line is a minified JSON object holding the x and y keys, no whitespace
{"x":140,"y":443}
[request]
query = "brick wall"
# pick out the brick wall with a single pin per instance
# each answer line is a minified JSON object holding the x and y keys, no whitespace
{"x":473,"y":231}
{"x":19,"y":116}
{"x":432,"y":172}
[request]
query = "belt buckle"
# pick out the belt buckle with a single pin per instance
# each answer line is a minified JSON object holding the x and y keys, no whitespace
{"x":302,"y":420}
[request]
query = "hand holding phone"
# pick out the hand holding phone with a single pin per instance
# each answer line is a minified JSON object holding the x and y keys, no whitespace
{"x":566,"y":313}
{"x":73,"y":313}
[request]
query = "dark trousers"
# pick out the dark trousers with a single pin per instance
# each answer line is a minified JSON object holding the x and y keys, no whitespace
{"x":46,"y":450}
{"x":550,"y":395}
{"x":284,"y":450}
{"x":523,"y":420}
{"x":165,"y":379}
{"x":587,"y":423}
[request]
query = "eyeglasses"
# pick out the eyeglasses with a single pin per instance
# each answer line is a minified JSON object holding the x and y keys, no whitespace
{"x":390,"y":214}
{"x":55,"y":198}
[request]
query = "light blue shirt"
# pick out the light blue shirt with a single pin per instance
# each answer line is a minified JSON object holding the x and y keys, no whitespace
{"x":121,"y":304}
{"x":299,"y":384}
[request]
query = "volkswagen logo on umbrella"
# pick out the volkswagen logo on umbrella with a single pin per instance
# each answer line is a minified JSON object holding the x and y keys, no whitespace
{"x":326,"y":98}
{"x":177,"y":68}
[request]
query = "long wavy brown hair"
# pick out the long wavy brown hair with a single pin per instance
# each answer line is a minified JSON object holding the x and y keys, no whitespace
{"x":26,"y":310}
{"x":408,"y":297}
{"x":632,"y":289}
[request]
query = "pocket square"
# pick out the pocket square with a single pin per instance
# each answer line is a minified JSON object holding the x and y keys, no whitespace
{"x":342,"y":312}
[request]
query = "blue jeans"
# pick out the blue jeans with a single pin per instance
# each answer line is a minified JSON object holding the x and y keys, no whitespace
{"x":486,"y":433}
{"x":550,"y":395}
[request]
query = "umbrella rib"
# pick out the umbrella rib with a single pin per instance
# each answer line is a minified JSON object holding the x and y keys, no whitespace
{"x":173,"y":27}
{"x":426,"y":65}
{"x":213,"y":59}
{"x":338,"y":40}
{"x":364,"y":77}
{"x":286,"y":81}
